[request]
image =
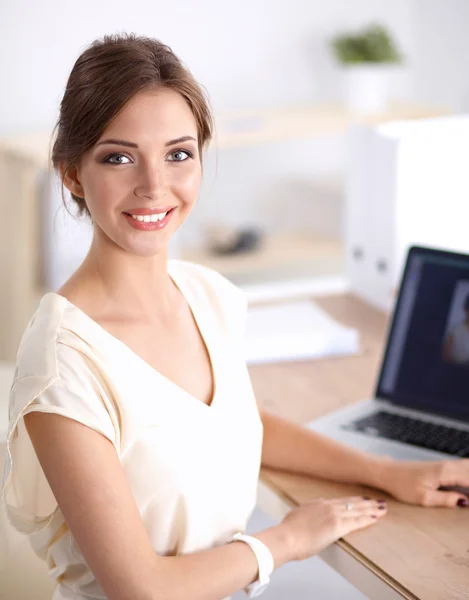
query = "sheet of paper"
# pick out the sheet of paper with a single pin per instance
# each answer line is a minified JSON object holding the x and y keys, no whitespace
{"x":294,"y":331}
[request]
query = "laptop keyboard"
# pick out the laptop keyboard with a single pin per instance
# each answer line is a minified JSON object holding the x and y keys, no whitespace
{"x":414,"y":432}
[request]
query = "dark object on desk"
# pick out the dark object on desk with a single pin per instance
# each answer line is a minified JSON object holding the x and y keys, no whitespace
{"x":225,"y":241}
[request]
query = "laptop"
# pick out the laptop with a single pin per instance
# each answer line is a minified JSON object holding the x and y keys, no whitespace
{"x":421,"y":406}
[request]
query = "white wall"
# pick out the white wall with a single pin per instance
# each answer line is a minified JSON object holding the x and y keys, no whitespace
{"x":439,"y":60}
{"x":248,"y":53}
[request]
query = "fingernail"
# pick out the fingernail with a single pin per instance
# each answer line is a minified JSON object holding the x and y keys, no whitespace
{"x":382,"y":501}
{"x":463,"y":502}
{"x":366,"y":498}
{"x":382,"y":507}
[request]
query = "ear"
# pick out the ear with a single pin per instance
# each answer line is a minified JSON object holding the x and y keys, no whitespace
{"x":71,"y":180}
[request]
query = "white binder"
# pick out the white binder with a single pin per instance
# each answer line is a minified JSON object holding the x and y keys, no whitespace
{"x":407,"y":184}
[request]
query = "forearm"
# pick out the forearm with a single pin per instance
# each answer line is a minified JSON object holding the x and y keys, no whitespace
{"x":290,"y":447}
{"x":218,"y":572}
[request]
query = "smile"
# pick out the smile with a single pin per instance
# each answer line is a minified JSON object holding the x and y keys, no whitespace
{"x":149,"y":218}
{"x":149,"y":222}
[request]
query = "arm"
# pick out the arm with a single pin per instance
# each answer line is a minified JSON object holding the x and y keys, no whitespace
{"x":89,"y":485}
{"x":291,"y":447}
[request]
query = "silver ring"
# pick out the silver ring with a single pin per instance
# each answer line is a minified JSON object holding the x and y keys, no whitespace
{"x":348,"y":506}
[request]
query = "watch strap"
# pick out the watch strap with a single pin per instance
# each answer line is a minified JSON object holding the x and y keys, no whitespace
{"x":265,"y":563}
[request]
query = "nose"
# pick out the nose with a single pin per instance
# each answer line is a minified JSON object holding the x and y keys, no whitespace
{"x":151,"y":182}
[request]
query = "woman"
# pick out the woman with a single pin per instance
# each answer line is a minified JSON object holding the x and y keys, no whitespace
{"x":135,"y":441}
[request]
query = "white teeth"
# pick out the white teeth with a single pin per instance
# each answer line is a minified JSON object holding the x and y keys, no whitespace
{"x":149,"y":218}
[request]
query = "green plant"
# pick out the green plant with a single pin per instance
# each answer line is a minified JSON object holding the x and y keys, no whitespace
{"x":373,"y":44}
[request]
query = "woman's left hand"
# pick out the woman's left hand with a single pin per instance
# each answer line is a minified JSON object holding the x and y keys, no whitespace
{"x":418,"y":482}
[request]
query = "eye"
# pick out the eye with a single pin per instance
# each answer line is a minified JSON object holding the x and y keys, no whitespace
{"x":179,"y":155}
{"x":114,"y":155}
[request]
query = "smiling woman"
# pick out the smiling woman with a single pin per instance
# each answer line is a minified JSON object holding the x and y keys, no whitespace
{"x":135,"y":441}
{"x":123,"y":412}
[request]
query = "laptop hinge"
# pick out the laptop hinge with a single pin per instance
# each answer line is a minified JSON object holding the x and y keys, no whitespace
{"x":383,"y":402}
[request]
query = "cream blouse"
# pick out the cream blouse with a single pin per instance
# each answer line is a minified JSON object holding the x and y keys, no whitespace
{"x":192,"y":467}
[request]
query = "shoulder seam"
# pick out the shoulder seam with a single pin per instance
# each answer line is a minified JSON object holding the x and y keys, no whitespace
{"x":54,"y":340}
{"x":62,"y":307}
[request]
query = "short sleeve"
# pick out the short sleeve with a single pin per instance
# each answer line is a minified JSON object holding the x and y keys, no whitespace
{"x":74,"y":392}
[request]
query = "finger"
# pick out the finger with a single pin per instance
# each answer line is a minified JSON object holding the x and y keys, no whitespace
{"x":360,"y":522}
{"x":354,"y":503}
{"x":364,"y":508}
{"x":455,"y":472}
{"x":351,"y":499}
{"x":449,"y":499}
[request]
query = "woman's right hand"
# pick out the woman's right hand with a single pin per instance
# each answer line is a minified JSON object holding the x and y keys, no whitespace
{"x":312,"y":527}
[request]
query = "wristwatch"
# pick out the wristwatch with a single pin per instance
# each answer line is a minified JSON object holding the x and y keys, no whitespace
{"x":265,"y":563}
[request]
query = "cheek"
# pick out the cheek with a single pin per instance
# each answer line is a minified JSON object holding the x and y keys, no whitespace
{"x":104,"y":191}
{"x":185,"y":184}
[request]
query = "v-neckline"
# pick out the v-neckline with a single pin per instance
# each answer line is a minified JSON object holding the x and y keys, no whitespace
{"x":203,"y":334}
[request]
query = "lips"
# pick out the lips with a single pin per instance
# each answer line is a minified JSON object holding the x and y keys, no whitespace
{"x":149,"y":225}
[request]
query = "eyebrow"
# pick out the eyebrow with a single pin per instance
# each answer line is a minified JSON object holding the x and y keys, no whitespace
{"x":178,"y":140}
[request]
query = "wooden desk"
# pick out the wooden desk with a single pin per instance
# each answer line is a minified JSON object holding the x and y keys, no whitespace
{"x":414,"y":552}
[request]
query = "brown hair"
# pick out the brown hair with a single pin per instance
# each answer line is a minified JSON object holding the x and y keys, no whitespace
{"x":106,"y":76}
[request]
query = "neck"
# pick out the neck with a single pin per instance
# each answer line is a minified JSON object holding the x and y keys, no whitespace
{"x":121,"y":282}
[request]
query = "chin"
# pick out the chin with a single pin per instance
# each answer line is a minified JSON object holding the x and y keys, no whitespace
{"x":140,"y":245}
{"x":146,"y":250}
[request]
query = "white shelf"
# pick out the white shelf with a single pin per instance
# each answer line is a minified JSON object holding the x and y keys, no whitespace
{"x":251,"y":128}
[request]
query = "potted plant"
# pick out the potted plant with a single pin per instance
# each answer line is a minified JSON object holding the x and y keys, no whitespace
{"x":368,"y":58}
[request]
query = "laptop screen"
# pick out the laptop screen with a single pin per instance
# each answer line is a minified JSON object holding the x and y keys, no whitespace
{"x":426,"y":363}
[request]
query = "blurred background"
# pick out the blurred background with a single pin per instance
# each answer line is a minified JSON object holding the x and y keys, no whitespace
{"x":287,"y":81}
{"x":317,"y":180}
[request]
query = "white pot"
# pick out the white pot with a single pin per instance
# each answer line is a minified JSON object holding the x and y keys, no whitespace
{"x":366,"y":87}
